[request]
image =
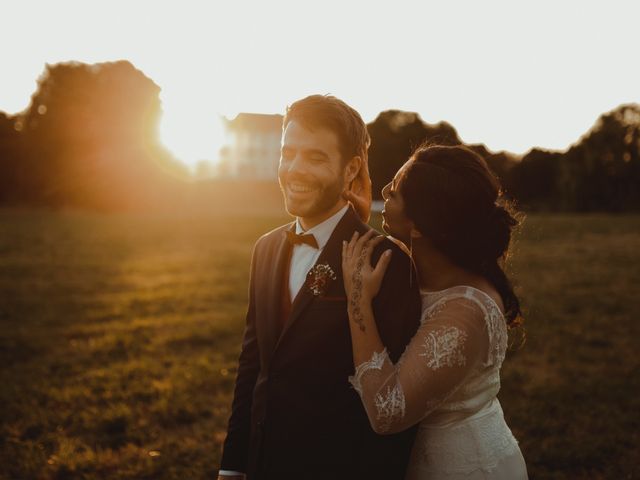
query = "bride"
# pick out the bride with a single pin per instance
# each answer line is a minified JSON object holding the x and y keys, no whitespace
{"x":446,"y":207}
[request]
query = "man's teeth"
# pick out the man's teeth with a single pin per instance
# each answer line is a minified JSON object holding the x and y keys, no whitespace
{"x":299,"y":188}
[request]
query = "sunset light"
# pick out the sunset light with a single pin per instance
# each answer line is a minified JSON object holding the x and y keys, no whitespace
{"x":191,"y":133}
{"x":499,"y":81}
{"x":348,"y":239}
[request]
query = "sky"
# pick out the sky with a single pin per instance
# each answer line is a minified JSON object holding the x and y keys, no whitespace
{"x":509,"y":74}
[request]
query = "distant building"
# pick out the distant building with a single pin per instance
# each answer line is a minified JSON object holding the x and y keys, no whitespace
{"x":253,"y":146}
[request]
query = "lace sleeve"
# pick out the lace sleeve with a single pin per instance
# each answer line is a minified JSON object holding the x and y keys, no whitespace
{"x":444,"y":351}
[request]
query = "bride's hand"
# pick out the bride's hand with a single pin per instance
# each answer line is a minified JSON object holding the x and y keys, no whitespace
{"x":361,"y":280}
{"x":359,"y":193}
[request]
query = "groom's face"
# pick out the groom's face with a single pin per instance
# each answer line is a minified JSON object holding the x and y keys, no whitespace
{"x":311,"y":173}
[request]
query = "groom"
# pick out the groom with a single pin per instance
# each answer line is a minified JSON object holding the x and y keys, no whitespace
{"x":294,"y":413}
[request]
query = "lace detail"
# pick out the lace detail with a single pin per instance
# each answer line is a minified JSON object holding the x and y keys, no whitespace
{"x":444,"y":380}
{"x":431,"y":311}
{"x":443,"y":347}
{"x":498,"y":335}
{"x":376,"y":362}
{"x":494,"y":319}
{"x":390,"y":406}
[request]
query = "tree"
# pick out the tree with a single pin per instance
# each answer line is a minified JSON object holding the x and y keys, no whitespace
{"x":534,"y":180}
{"x":602,"y":171}
{"x":10,"y":157}
{"x":394,"y":136}
{"x":91,"y":136}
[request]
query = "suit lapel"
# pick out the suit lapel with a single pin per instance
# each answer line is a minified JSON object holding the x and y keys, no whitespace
{"x":331,"y":255}
{"x":273,"y":291}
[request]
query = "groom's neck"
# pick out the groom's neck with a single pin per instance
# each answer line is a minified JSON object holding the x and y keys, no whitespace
{"x":309,"y":222}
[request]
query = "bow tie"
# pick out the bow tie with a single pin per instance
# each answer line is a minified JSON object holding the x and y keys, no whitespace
{"x":307,"y":238}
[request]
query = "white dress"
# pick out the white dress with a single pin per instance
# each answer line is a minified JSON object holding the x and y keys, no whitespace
{"x":447,"y":381}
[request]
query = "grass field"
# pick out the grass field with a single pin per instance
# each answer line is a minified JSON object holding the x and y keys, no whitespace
{"x":119,"y":336}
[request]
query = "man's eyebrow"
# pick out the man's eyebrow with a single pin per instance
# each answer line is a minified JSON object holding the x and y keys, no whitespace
{"x":315,"y":151}
{"x":306,"y":151}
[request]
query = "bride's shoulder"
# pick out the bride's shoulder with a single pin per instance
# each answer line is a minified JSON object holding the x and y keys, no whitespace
{"x":488,"y":294}
{"x":473,"y":309}
{"x":487,"y":299}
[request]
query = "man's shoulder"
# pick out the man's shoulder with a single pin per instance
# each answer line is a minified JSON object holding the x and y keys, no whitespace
{"x":398,"y":249}
{"x":275,"y":234}
{"x":400,"y":263}
{"x":396,"y":246}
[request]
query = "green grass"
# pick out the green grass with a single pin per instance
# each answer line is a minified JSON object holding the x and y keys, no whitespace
{"x":572,"y":392}
{"x":119,"y":336}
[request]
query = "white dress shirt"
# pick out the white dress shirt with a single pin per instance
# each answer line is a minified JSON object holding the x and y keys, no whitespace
{"x":303,"y":258}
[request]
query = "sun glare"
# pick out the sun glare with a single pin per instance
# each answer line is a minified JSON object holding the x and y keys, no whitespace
{"x":192,"y":135}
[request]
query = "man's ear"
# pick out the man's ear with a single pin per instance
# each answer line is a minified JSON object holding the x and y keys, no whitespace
{"x":352,"y":168}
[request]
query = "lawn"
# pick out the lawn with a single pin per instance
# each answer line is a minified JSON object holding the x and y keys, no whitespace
{"x":119,"y":336}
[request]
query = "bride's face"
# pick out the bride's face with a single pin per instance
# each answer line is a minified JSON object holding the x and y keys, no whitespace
{"x":394,"y":220}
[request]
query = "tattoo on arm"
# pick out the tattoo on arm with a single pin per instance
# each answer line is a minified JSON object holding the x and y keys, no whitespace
{"x":356,"y":313}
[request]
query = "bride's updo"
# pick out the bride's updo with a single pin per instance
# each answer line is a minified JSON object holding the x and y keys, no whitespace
{"x":456,"y":202}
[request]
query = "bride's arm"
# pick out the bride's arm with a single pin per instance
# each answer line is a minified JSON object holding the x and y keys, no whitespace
{"x":436,"y":362}
{"x":362,"y":283}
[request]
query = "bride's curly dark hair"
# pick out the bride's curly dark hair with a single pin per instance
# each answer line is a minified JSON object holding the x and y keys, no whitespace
{"x":454,"y":199}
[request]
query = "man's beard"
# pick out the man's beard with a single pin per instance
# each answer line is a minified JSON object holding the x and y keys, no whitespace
{"x":326,"y":200}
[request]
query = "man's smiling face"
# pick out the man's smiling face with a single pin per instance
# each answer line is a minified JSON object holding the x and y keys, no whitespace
{"x":311,"y":173}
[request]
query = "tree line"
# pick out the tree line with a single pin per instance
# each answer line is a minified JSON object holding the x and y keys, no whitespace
{"x":600,"y":172}
{"x":89,"y":139}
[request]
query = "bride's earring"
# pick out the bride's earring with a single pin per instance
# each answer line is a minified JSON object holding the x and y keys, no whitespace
{"x":410,"y":261}
{"x":414,"y":233}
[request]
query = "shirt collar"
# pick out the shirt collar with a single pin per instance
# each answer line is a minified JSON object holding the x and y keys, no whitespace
{"x":323,"y":230}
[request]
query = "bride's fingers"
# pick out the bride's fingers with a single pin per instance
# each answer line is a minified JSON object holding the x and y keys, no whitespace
{"x":351,"y":245}
{"x":370,"y":234}
{"x":357,"y":241}
{"x":362,"y":241}
{"x":361,"y":246}
{"x":344,"y":254}
{"x":381,"y":267}
{"x":371,"y":244}
{"x":368,"y":244}
{"x":375,"y":241}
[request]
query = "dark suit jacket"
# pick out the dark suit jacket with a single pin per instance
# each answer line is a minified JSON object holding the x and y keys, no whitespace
{"x":294,"y":413}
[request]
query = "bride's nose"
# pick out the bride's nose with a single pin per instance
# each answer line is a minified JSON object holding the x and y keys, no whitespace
{"x":385,"y":191}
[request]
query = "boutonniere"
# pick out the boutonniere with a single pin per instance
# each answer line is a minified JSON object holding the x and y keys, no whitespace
{"x":319,"y":277}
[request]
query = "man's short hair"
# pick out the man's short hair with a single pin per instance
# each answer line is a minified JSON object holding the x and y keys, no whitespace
{"x":327,"y":111}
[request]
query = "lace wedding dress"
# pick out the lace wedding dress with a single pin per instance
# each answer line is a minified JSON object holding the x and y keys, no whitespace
{"x":447,"y":380}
